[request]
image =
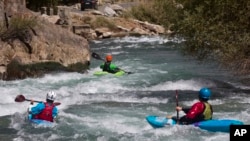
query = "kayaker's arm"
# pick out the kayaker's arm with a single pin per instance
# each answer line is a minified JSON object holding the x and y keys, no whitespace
{"x":54,"y":112}
{"x":37,"y":109}
{"x":101,"y":66}
{"x":114,"y":67}
{"x":195,"y":110}
{"x":185,"y":110}
{"x":117,"y":69}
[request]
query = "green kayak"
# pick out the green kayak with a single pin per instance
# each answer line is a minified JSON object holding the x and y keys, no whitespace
{"x":101,"y":73}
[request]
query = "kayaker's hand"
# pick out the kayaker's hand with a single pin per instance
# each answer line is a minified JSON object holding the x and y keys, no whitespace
{"x":178,"y":108}
{"x":31,"y":101}
{"x":117,"y":69}
{"x":169,"y":117}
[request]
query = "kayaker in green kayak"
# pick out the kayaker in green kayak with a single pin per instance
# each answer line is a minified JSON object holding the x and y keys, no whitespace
{"x":200,"y":111}
{"x":108,"y":66}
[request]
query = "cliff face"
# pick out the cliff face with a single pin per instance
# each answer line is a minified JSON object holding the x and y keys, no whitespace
{"x":40,"y":49}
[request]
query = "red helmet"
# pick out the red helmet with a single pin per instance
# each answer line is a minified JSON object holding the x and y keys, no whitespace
{"x":109,"y":58}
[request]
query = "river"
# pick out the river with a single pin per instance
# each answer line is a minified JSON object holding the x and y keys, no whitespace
{"x":109,"y":108}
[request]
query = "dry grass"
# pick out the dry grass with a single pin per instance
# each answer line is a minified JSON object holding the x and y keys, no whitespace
{"x":17,"y":27}
{"x":103,"y":22}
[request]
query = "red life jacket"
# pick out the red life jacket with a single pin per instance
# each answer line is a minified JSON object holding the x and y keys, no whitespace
{"x":46,"y":114}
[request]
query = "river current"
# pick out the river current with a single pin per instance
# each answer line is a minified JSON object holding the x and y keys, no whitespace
{"x":110,"y":108}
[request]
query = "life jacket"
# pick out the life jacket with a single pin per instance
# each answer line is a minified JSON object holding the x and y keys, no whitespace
{"x":46,"y":114}
{"x":208,"y":111}
{"x":107,"y":68}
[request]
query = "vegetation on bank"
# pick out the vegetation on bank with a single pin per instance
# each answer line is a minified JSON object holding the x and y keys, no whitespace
{"x":103,"y":22}
{"x":17,"y":27}
{"x":213,"y":29}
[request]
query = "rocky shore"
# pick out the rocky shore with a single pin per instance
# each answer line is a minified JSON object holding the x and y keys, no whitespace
{"x":81,"y":22}
{"x":60,"y":42}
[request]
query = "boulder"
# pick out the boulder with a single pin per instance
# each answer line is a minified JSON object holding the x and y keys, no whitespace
{"x":108,"y":11}
{"x":42,"y":48}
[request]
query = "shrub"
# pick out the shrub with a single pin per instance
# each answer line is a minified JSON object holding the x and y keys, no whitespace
{"x":17,"y":27}
{"x":103,"y":22}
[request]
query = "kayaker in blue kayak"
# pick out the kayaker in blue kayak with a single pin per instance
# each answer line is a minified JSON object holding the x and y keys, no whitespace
{"x":108,"y":66}
{"x":45,"y":110}
{"x":200,"y":111}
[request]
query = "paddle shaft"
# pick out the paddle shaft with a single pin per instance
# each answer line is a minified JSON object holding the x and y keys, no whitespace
{"x":177,"y":104}
{"x":56,"y":103}
{"x":32,"y":100}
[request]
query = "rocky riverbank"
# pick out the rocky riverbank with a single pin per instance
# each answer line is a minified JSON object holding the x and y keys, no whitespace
{"x":60,"y":42}
{"x":106,"y":22}
{"x":43,"y":47}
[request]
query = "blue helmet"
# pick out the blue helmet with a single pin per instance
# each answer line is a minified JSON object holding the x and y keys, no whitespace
{"x":204,"y":93}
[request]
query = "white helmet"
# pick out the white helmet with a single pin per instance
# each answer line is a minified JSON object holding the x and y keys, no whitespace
{"x":51,"y":95}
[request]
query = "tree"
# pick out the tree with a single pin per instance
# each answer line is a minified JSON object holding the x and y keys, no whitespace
{"x":217,"y":29}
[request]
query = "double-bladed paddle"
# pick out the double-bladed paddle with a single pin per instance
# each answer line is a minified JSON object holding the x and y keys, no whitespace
{"x":98,"y":57}
{"x":21,"y":98}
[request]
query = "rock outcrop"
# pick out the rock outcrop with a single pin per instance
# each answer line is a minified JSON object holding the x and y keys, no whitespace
{"x":37,"y":50}
{"x":60,"y":42}
{"x":81,"y":22}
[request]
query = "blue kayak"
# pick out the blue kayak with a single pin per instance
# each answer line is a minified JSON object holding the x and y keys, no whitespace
{"x":214,"y":125}
{"x":43,"y":123}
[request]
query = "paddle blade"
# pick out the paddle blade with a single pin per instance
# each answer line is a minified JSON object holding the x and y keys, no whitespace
{"x":96,"y":56}
{"x":20,"y":98}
